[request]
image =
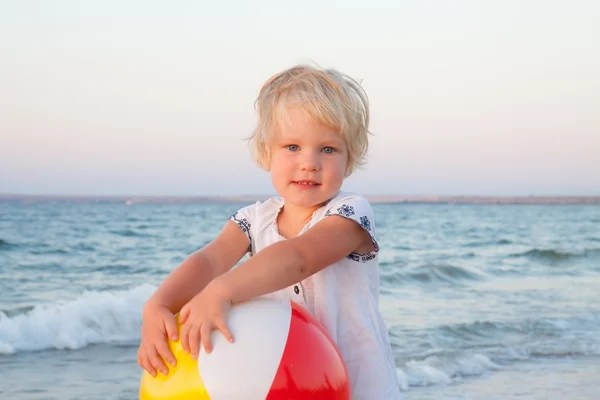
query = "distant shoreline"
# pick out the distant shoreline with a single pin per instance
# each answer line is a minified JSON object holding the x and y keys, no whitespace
{"x":390,"y":199}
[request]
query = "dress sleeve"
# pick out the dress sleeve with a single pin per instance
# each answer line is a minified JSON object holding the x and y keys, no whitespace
{"x":244,"y":218}
{"x":359,"y":210}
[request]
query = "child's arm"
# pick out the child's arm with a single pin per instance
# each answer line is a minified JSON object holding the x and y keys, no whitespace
{"x":273,"y":268}
{"x":200,"y":268}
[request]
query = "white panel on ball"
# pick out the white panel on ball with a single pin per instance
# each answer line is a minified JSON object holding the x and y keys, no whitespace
{"x":246,"y":368}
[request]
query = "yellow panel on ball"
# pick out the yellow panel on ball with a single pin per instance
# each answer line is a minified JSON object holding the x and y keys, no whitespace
{"x":183,"y":381}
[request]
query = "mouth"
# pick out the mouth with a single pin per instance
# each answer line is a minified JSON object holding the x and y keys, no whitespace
{"x":306,"y":182}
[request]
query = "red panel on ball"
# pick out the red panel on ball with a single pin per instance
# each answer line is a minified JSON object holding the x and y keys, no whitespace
{"x":311,"y":366}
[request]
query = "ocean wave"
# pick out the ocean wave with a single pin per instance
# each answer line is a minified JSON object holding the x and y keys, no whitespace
{"x":16,"y":311}
{"x":556,"y":256}
{"x":507,"y":342}
{"x":130,"y":233}
{"x":121,"y":268}
{"x":92,"y":318}
{"x":432,"y":273}
{"x":52,"y":251}
{"x":456,"y":352}
{"x":6,"y":245}
{"x":487,"y":243}
{"x":467,"y":334}
{"x":447,"y":370}
{"x":434,"y":370}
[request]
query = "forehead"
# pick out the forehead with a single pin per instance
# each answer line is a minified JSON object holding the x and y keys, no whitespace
{"x":297,"y":125}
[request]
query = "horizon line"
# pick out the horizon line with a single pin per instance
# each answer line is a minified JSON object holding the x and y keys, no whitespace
{"x":373,"y":197}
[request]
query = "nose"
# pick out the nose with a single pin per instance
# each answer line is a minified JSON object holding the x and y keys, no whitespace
{"x":310,"y":161}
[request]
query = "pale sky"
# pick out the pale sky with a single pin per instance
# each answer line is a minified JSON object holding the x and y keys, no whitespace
{"x":155,"y":98}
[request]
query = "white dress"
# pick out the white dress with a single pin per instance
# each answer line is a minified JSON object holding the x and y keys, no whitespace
{"x":344,"y":297}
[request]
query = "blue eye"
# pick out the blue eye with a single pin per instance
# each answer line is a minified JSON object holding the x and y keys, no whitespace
{"x":292,"y":147}
{"x":328,"y":150}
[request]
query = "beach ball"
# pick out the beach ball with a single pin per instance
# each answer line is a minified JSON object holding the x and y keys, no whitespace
{"x":280,"y":352}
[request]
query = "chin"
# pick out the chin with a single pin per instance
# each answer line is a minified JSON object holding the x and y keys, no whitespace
{"x":309,"y":199}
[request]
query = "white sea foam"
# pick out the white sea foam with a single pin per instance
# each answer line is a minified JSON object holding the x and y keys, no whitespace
{"x":94,"y":317}
{"x":434,"y":371}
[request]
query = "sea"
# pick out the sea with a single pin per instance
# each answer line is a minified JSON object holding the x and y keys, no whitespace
{"x":482,"y":301}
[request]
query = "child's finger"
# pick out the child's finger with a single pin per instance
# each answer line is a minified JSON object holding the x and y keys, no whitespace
{"x":184,"y":313}
{"x":221,"y":325}
{"x":194,"y":338}
{"x":155,"y":360}
{"x":205,"y":332}
{"x":146,"y":364}
{"x":171,"y":327}
{"x":185,"y":340}
{"x":165,"y":352}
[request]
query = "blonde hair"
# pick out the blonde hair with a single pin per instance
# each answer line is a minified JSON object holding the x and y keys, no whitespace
{"x":325,"y":95}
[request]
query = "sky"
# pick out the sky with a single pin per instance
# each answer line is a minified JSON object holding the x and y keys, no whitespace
{"x":157,"y":98}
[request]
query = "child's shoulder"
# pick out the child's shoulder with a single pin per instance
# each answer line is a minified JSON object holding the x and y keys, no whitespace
{"x":353,"y":206}
{"x":348,"y":203}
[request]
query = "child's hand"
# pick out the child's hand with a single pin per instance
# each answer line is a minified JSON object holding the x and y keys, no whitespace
{"x":158,"y":322}
{"x":200,"y":316}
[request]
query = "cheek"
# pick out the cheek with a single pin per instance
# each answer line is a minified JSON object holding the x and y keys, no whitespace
{"x":342,"y":163}
{"x":335,"y":168}
{"x":279,"y":166}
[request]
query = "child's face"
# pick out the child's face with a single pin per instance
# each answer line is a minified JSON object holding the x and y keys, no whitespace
{"x":308,"y":161}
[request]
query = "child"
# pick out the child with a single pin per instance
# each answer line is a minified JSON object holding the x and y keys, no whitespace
{"x":314,"y":245}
